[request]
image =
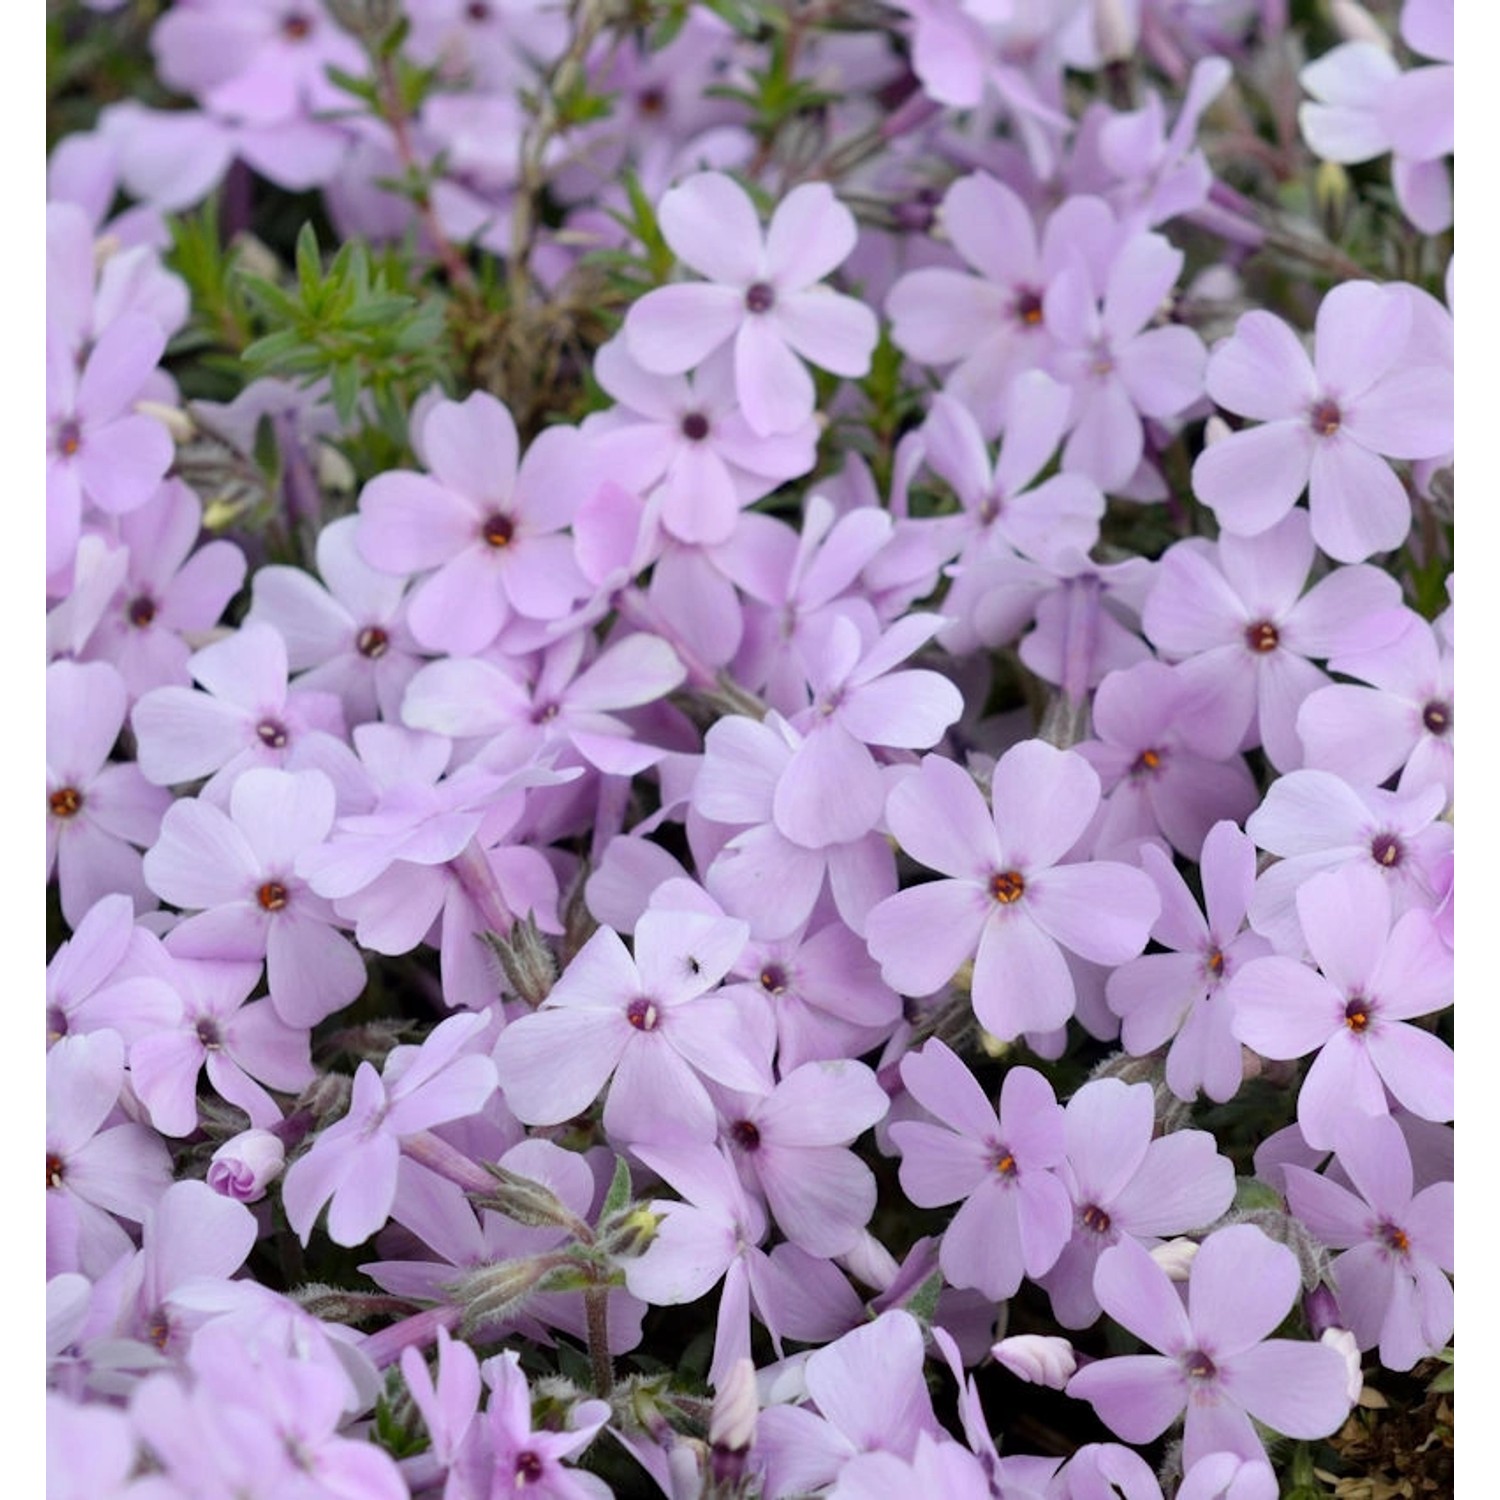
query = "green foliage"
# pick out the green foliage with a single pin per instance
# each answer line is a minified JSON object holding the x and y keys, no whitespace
{"x":356,"y":324}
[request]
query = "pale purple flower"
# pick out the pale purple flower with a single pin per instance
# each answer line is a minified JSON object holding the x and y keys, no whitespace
{"x":1403,"y":719}
{"x":1016,"y":1215}
{"x":173,"y":591}
{"x":103,"y":979}
{"x":1328,"y":423}
{"x":100,"y":813}
{"x":1124,"y":1182}
{"x":991,"y":322}
{"x":647,"y":1022}
{"x":237,"y":871}
{"x":1181,"y":995}
{"x":346,"y":636}
{"x":764,"y":292}
{"x":486,"y":521}
{"x":1315,"y":821}
{"x":1119,"y":369}
{"x":1376,"y":975}
{"x":1235,"y":615}
{"x":245,"y":717}
{"x":1165,"y":764}
{"x":686,"y":444}
{"x":937,"y":1466}
{"x":1038,"y":1359}
{"x":243,"y":1047}
{"x":1216,"y":1363}
{"x":774,"y":873}
{"x":1396,"y":1244}
{"x":95,"y":1171}
{"x":354,"y":1162}
{"x":1007,"y":892}
{"x":1364,"y":105}
{"x":791,"y":1145}
{"x":100,"y":451}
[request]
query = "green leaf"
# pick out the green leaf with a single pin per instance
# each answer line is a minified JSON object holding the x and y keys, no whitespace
{"x":618,"y":1197}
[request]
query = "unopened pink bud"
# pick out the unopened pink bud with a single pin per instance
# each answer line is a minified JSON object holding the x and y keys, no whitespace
{"x":1175,"y":1257}
{"x":1038,"y":1359}
{"x":244,"y":1167}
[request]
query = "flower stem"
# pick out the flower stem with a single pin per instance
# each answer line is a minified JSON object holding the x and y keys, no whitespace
{"x":596,"y":1311}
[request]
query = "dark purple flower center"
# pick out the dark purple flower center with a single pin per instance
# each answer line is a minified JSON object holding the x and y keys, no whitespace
{"x":69,"y":438}
{"x":477,"y":11}
{"x":1093,"y":1217}
{"x":1103,"y":362}
{"x":643,"y":1014}
{"x":372,"y":642}
{"x":141,"y":611}
{"x":208,"y":1034}
{"x":1027,"y":308}
{"x":272,"y":733}
{"x":1196,"y":1365}
{"x":1214,"y":961}
{"x":272,"y":896}
{"x":1357,"y":1015}
{"x":498,"y":530}
{"x":773,"y":979}
{"x":54,"y":1171}
{"x":1003,"y":1163}
{"x":651,"y":102}
{"x":1148,"y":763}
{"x":159,"y":1328}
{"x":1393,"y":1237}
{"x":295,"y":26}
{"x":1437,"y":717}
{"x":746,"y":1135}
{"x":695,"y":427}
{"x":1325,"y":418}
{"x":57,"y":1023}
{"x":1386,"y":850}
{"x":1262,"y":636}
{"x":1007,"y":886}
{"x":65,"y":802}
{"x":544,"y":713}
{"x":760,"y":297}
{"x":528,"y":1467}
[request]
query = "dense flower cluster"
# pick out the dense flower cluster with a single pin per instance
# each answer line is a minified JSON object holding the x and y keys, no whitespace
{"x":786,"y":745}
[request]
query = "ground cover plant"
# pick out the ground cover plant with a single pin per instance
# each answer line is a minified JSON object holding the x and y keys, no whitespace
{"x":750,"y":749}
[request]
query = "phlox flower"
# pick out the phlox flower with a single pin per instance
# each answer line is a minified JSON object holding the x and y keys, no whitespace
{"x":1182,"y":994}
{"x":774,"y":872}
{"x":354,"y":1161}
{"x":791,"y":1146}
{"x":1396,"y":1244}
{"x":1016,"y":1215}
{"x":237,"y":871}
{"x":1403,"y":719}
{"x":1234,"y":614}
{"x":245,"y":717}
{"x":243,"y":1047}
{"x":763,"y":291}
{"x":1124,"y":1182}
{"x":95,"y":1171}
{"x":1376,"y":975}
{"x":173,"y":589}
{"x":1328,"y":423}
{"x":100,"y":813}
{"x":100,"y":451}
{"x":686,"y":444}
{"x":1216,"y":1362}
{"x":1316,"y":821}
{"x":1165,"y":765}
{"x":484,"y":524}
{"x":646,"y":1021}
{"x":346,"y":636}
{"x":1006,"y":892}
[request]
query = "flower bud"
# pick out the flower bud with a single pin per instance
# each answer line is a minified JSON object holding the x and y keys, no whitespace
{"x":736,"y":1408}
{"x":173,"y":418}
{"x":1175,"y":1257}
{"x":1355,"y":24}
{"x":1038,"y":1359}
{"x":1115,"y":34}
{"x":1321,"y":1309}
{"x":528,"y":961}
{"x":1215,"y":430}
{"x":244,"y":1167}
{"x":1342,"y":1340}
